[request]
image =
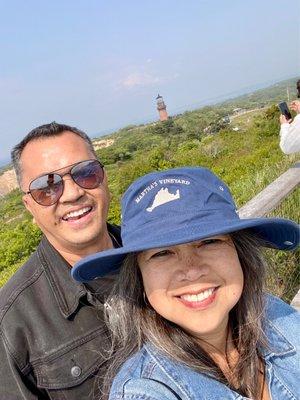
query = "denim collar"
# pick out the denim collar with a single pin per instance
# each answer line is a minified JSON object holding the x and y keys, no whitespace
{"x":66,"y":290}
{"x":278,"y":344}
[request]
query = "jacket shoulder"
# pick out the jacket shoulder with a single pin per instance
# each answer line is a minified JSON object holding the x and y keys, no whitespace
{"x":278,"y":309}
{"x":19,"y":282}
{"x":283,"y":317}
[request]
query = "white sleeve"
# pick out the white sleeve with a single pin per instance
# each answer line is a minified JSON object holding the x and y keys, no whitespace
{"x":290,"y":136}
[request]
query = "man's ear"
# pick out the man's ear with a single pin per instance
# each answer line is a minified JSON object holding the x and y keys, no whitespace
{"x":26,"y":203}
{"x":28,"y":206}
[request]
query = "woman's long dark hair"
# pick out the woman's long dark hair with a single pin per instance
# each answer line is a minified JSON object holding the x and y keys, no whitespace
{"x":132,"y":321}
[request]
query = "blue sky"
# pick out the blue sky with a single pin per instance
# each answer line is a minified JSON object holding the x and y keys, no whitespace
{"x":99,"y":65}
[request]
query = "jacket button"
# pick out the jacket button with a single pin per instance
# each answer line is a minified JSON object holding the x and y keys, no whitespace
{"x":75,"y":371}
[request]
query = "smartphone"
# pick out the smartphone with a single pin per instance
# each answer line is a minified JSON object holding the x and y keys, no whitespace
{"x":283,"y":107}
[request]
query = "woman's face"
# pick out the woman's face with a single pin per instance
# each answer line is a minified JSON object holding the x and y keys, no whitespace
{"x":194,"y":285}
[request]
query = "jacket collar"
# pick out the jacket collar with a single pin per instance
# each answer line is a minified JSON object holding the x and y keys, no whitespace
{"x":278,"y":344}
{"x":66,"y":290}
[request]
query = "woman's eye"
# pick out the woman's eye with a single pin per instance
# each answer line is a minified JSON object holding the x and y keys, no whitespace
{"x":161,"y":253}
{"x":210,"y":241}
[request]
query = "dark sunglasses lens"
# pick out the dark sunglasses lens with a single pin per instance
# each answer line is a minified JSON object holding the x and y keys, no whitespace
{"x":88,"y":174}
{"x":47,"y":189}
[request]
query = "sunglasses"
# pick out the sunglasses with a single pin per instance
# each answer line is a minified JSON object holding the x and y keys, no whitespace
{"x":47,"y":189}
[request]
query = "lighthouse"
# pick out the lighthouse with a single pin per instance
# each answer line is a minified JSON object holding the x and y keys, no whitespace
{"x":161,"y":107}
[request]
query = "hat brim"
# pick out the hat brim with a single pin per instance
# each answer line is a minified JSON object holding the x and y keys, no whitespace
{"x":276,"y":233}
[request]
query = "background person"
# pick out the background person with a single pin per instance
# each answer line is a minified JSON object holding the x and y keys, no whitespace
{"x":290,"y":130}
{"x":188,"y":307}
{"x":52,"y":337}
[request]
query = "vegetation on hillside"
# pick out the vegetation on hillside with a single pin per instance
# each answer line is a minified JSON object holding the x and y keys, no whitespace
{"x":247,"y":159}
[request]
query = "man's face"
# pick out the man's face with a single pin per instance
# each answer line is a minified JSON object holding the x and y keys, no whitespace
{"x":77,"y":222}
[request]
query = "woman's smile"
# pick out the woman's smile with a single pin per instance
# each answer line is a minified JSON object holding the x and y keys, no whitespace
{"x":199,"y":301}
{"x":195,"y":285}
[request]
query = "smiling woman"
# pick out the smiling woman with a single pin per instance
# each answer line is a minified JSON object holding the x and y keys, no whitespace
{"x":198,"y":276}
{"x":188,"y":310}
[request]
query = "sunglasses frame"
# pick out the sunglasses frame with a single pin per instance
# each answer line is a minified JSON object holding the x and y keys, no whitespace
{"x":70,"y":167}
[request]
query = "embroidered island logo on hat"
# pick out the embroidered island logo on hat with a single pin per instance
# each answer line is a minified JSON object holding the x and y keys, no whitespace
{"x":163,"y":196}
{"x":177,"y":206}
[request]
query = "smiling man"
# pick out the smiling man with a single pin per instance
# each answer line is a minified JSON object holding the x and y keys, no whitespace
{"x":52,"y":334}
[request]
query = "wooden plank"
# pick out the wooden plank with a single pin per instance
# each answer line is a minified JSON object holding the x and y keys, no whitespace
{"x":296,"y":301}
{"x":269,"y":198}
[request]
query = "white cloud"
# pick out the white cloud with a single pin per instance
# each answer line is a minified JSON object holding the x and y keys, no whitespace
{"x":140,"y":79}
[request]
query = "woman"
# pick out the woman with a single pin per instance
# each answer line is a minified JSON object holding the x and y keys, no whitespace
{"x":188,"y":310}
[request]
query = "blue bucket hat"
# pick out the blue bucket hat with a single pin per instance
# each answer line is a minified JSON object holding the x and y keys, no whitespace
{"x":178,"y":206}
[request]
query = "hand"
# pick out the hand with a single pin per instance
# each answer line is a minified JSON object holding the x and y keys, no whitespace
{"x":283,"y":119}
{"x":295,"y":106}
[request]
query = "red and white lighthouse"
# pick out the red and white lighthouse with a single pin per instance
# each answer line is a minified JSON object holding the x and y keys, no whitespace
{"x":161,"y":107}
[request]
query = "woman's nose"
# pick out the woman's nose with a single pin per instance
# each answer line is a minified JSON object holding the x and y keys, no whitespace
{"x":191,"y":267}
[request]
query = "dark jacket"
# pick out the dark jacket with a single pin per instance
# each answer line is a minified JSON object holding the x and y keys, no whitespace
{"x":52,"y":334}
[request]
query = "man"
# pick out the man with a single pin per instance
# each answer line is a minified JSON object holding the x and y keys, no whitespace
{"x":53,"y":340}
{"x":290,"y":130}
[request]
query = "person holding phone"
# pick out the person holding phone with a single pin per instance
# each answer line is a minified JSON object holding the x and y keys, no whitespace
{"x":290,"y":129}
{"x":189,"y":311}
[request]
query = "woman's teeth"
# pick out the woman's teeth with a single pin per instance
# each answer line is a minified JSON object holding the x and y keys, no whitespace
{"x":198,"y":297}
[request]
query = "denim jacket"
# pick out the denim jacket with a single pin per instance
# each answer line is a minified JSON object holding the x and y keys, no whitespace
{"x":52,"y":333}
{"x":150,"y":375}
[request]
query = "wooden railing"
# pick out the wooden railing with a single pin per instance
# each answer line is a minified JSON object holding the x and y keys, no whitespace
{"x":269,"y":198}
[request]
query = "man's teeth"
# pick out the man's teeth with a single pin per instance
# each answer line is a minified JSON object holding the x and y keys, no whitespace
{"x":198,"y":297}
{"x":77,"y":213}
